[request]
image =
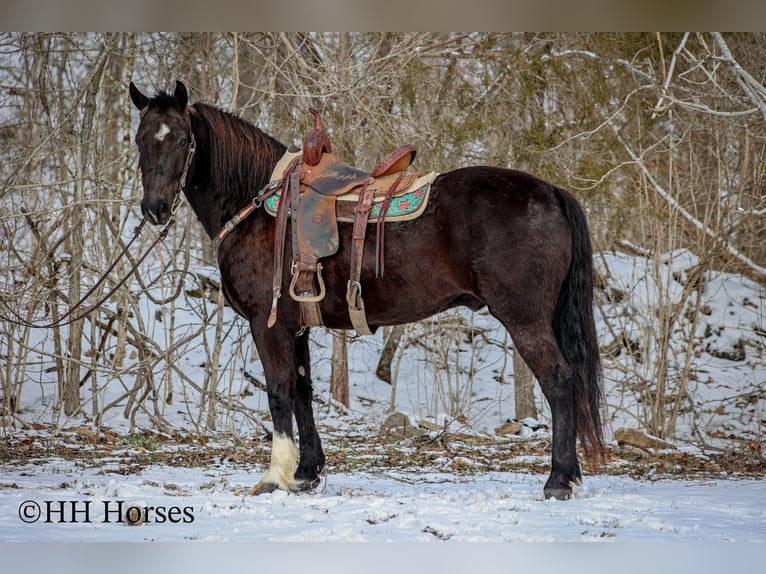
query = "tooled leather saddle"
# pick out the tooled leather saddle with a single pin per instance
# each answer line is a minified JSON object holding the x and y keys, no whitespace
{"x":315,"y":189}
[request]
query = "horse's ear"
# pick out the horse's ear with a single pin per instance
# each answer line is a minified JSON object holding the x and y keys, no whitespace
{"x":181,"y":95}
{"x":139,"y":99}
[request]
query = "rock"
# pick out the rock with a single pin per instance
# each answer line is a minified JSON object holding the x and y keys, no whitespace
{"x":395,"y":420}
{"x":638,"y":439}
{"x":472,"y":438}
{"x":511,"y":427}
{"x":533,"y":424}
{"x":730,"y":351}
{"x":398,"y":426}
{"x":431,"y":426}
{"x":135,"y":515}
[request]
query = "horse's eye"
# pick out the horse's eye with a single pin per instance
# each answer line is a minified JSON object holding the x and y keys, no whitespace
{"x":182,"y":142}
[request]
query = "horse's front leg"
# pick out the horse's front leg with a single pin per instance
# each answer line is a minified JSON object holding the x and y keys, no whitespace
{"x":312,"y":458}
{"x":276,"y":347}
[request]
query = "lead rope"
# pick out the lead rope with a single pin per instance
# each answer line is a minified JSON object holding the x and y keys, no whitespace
{"x":67,"y":318}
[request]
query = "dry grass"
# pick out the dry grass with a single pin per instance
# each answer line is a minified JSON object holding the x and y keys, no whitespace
{"x":458,"y":454}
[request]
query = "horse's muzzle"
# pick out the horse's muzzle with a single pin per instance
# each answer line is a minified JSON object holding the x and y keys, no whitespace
{"x":156,"y":211}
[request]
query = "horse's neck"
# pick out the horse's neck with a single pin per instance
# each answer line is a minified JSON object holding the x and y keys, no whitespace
{"x":214,"y":206}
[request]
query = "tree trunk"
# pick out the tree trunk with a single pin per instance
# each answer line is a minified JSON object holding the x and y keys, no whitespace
{"x":524,"y":384}
{"x":70,"y":390}
{"x":339,"y":376}
{"x":383,"y":370}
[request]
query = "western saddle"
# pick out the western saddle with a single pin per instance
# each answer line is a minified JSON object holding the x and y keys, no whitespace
{"x":316,"y":189}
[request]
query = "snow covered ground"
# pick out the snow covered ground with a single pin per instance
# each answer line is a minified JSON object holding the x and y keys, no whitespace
{"x":49,"y":498}
{"x":57,"y":501}
{"x":429,"y":519}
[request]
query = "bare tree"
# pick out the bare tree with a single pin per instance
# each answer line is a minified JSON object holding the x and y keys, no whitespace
{"x":661,"y":136}
{"x":339,"y":376}
{"x":524,"y":388}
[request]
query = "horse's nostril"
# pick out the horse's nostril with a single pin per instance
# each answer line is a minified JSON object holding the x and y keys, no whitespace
{"x":157,"y":212}
{"x":163,"y":211}
{"x":146,"y":212}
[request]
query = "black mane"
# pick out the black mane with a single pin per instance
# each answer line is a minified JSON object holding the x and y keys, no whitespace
{"x":241,"y":155}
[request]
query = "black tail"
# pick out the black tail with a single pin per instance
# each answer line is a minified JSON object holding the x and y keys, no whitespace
{"x":575,"y":330}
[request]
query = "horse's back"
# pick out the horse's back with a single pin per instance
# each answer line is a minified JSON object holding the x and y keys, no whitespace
{"x":487,"y":234}
{"x":504,"y":219}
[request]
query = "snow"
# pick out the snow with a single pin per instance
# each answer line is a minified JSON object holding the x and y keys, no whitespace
{"x":395,"y":506}
{"x":471,"y":393}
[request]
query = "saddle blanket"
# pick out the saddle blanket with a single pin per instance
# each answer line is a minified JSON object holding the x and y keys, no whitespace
{"x":407,"y":203}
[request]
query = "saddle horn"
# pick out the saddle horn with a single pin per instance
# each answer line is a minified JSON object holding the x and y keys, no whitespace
{"x":316,"y":141}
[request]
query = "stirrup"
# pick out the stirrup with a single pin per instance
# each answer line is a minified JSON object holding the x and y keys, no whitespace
{"x":356,"y":311}
{"x":308,"y":298}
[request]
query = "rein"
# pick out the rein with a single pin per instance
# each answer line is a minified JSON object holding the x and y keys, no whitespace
{"x":68,"y":318}
{"x":270,"y":189}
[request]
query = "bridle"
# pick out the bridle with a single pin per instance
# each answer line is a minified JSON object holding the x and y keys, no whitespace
{"x":189,"y":158}
{"x":276,"y":183}
{"x":192,"y":150}
{"x":69,"y":317}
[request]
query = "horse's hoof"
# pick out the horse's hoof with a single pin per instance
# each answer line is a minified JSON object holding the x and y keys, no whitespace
{"x":304,"y":485}
{"x":296,"y":487}
{"x":559,"y":487}
{"x":562,"y":493}
{"x":263,"y":488}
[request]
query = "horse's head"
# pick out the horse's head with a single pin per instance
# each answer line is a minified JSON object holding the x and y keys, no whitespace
{"x":166,"y":148}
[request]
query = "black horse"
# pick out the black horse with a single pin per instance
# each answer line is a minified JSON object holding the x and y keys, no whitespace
{"x":490,"y":237}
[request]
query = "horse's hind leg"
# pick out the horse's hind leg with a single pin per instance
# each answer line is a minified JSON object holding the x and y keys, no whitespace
{"x":537,"y":346}
{"x":311,"y":455}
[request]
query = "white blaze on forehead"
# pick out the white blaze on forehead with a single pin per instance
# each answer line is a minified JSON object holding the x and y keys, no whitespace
{"x":162,"y":132}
